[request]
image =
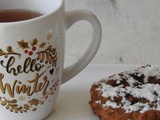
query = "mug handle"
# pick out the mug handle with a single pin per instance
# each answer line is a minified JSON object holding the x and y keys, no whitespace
{"x":71,"y":18}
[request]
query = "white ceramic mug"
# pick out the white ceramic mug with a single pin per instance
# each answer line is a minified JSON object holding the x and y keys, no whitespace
{"x":29,"y":83}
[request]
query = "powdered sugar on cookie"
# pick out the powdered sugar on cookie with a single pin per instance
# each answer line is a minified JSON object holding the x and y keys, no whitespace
{"x":137,"y":90}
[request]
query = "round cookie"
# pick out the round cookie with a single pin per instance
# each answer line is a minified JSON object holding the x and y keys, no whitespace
{"x":129,"y":95}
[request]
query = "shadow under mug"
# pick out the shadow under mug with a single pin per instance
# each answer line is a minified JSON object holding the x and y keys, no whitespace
{"x":29,"y":83}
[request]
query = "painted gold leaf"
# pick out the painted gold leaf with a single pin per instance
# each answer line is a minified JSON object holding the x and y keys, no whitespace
{"x":9,"y":49}
{"x":8,"y":106}
{"x":4,"y":102}
{"x":12,"y":101}
{"x":13,"y":105}
{"x":34,"y":109}
{"x":34,"y":102}
{"x":22,"y":44}
{"x":48,"y":55}
{"x":42,"y":44}
{"x":26,"y":106}
{"x":1,"y":51}
{"x":34,"y":42}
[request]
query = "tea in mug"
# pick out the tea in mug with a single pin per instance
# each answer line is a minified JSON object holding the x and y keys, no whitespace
{"x":13,"y":15}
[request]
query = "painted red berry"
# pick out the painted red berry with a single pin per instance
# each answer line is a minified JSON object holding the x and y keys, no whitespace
{"x":33,"y":48}
{"x":26,"y":51}
{"x":30,"y":53}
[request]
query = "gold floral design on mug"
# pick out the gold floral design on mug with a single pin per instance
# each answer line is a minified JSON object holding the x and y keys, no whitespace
{"x":45,"y":54}
{"x":13,"y":106}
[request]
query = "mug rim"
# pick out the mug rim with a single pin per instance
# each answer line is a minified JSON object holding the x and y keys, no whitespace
{"x":59,"y":6}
